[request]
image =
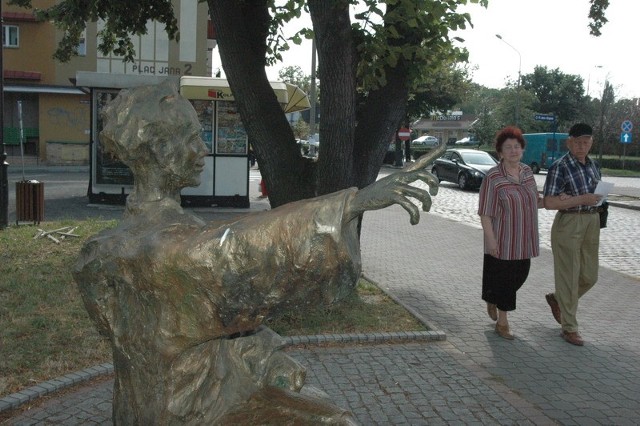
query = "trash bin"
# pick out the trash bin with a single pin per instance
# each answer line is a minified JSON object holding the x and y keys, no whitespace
{"x":29,"y":201}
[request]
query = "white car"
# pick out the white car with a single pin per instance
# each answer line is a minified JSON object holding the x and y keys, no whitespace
{"x":468,"y":141}
{"x":426,"y":140}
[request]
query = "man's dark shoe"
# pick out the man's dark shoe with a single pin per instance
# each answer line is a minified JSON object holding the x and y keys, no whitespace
{"x":572,"y":337}
{"x":555,"y":308}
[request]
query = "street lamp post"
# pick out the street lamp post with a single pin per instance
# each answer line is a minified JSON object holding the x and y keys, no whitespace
{"x":519,"y":75}
{"x":589,"y":78}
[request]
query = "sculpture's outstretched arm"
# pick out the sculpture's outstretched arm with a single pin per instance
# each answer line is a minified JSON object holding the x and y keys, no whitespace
{"x":395,"y":189}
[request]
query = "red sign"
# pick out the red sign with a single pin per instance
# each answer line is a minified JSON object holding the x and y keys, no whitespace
{"x":404,"y":134}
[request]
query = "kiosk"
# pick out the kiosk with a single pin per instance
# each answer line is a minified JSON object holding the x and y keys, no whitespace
{"x":225,"y":177}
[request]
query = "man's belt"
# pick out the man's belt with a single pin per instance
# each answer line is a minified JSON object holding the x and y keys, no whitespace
{"x":590,"y":210}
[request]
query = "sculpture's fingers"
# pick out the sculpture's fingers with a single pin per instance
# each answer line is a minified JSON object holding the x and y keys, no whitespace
{"x":430,"y":180}
{"x":426,"y":159}
{"x":408,"y":177}
{"x":426,"y":204}
{"x":399,"y":198}
{"x":423,"y":175}
{"x":419,"y":194}
{"x":411,"y":208}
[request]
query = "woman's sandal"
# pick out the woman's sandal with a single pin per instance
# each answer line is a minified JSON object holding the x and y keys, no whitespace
{"x":504,"y":332}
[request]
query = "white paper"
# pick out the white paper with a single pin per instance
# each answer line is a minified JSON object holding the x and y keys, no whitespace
{"x":603,"y":188}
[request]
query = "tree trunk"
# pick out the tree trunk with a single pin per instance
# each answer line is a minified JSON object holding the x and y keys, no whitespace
{"x":287,"y":175}
{"x":353,"y":153}
{"x":349,"y":155}
{"x":336,"y":70}
{"x":378,"y":121}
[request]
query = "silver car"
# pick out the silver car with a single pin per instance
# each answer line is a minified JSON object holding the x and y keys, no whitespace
{"x":426,"y":140}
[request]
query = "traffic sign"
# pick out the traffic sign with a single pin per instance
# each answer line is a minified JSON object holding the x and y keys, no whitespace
{"x":404,"y":134}
{"x":545,"y":117}
{"x":626,"y":126}
{"x":625,"y":137}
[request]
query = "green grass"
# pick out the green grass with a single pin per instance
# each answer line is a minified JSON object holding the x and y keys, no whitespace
{"x":367,"y":310}
{"x":620,"y":173}
{"x":45,"y":331}
{"x":605,"y":171}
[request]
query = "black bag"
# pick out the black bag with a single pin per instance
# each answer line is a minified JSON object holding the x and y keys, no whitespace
{"x":604,"y":213}
{"x":604,"y":208}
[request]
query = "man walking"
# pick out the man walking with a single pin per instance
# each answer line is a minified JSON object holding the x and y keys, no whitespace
{"x":575,"y":234}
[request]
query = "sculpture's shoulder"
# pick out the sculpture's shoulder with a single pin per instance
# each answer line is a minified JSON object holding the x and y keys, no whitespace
{"x":134,"y":237}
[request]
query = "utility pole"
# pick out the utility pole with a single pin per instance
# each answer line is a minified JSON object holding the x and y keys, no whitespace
{"x":517,"y":114}
{"x":312,"y":91}
{"x":4,"y":181}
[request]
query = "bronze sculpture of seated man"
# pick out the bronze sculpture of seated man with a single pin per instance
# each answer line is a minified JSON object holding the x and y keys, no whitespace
{"x":183,"y":301}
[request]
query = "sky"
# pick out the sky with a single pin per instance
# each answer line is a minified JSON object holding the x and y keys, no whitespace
{"x":551,"y":33}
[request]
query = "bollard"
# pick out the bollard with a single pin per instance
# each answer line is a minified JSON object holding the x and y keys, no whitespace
{"x":29,"y":201}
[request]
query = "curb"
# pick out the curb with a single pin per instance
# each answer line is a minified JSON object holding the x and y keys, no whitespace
{"x":624,"y":205}
{"x":402,"y":336}
{"x":15,"y":400}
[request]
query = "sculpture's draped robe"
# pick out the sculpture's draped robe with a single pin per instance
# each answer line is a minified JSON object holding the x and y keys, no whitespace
{"x":182,"y":302}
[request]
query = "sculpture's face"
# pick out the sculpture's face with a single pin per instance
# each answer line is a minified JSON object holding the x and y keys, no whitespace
{"x":196,"y":150}
{"x":187,"y":156}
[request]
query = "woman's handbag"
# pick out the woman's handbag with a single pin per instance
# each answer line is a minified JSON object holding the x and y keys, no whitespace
{"x":604,"y":213}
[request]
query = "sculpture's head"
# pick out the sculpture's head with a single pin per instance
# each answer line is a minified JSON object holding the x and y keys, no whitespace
{"x":153,"y":127}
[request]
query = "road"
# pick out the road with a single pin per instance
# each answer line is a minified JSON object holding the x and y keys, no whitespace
{"x":65,"y":194}
{"x":65,"y":198}
{"x":619,"y":249}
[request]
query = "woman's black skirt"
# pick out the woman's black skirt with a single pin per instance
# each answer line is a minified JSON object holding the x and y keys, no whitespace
{"x":501,"y":279}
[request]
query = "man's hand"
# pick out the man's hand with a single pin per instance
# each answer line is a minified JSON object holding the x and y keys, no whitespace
{"x":592,"y":199}
{"x":395,"y":189}
{"x":565,"y":201}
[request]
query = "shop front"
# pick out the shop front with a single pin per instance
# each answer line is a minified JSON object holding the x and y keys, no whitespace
{"x":225,"y":177}
{"x":447,"y":127}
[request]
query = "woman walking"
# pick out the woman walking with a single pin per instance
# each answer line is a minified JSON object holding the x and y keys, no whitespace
{"x":508,"y":208}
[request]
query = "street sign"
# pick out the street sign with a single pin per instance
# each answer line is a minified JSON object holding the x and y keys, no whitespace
{"x":545,"y":117}
{"x":626,"y":126}
{"x":404,"y":134}
{"x":625,"y":137}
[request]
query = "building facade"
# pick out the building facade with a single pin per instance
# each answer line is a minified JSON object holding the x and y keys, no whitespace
{"x":447,"y":127}
{"x":45,"y":109}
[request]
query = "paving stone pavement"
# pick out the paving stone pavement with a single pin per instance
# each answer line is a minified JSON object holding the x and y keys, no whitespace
{"x":474,"y":377}
{"x":435,"y":269}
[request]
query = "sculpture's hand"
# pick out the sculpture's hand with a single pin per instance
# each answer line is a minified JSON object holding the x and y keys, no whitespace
{"x":395,"y":189}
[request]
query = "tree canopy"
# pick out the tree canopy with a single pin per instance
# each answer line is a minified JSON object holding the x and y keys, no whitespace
{"x":378,"y":63}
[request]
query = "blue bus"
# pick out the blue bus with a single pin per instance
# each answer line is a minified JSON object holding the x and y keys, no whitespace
{"x":543,"y":149}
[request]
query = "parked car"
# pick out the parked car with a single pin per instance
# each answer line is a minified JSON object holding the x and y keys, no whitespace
{"x":466,"y":167}
{"x":426,"y":140}
{"x":468,"y":141}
